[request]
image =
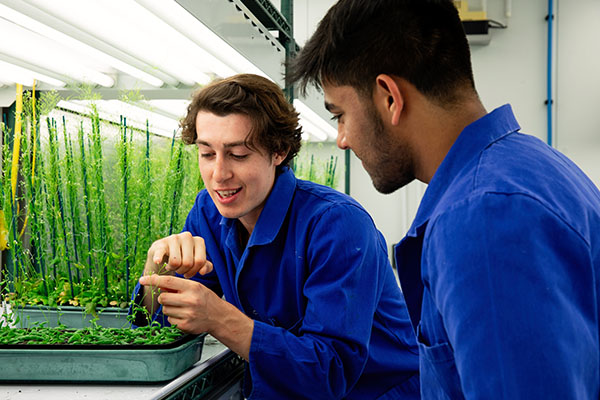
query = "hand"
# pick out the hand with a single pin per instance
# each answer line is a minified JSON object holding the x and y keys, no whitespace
{"x":183,"y":254}
{"x":194,"y":308}
{"x":186,"y":303}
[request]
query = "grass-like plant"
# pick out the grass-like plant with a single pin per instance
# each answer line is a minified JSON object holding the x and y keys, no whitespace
{"x":72,"y":236}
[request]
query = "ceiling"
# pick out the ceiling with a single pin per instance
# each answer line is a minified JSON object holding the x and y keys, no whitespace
{"x":157,"y":50}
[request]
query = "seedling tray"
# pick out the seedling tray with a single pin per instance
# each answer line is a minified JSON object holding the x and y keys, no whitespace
{"x":69,"y":316}
{"x":99,"y":363}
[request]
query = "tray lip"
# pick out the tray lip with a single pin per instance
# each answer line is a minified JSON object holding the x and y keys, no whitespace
{"x":66,"y":309}
{"x":121,"y":348}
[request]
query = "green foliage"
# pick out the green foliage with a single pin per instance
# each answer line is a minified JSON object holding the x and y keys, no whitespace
{"x":313,"y":168}
{"x":88,"y":206}
{"x":93,"y":335}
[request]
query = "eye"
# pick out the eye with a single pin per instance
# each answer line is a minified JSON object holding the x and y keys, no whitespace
{"x":336,"y":117}
{"x":206,"y":155}
{"x":239,"y":156}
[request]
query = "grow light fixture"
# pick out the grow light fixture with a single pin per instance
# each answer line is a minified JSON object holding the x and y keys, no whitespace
{"x":136,"y":32}
{"x":25,"y":77}
{"x":223,"y":59}
{"x":112,"y":110}
{"x":52,"y":28}
{"x":36,"y":43}
{"x":313,"y":123}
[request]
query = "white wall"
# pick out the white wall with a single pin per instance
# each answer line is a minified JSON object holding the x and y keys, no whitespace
{"x":511,"y":69}
{"x":578,"y":87}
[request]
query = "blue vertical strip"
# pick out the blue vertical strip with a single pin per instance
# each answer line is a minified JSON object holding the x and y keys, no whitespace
{"x":549,"y":84}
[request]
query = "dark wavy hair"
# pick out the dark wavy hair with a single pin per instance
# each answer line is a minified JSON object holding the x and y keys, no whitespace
{"x":422,"y":41}
{"x":274,"y":120}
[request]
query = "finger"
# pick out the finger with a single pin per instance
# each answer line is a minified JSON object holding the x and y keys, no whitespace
{"x":187,"y":245}
{"x":207,"y":268}
{"x":172,"y":299}
{"x":194,"y":256}
{"x":158,"y":252}
{"x":166,"y":282}
{"x":199,"y":252}
{"x":172,"y":312}
{"x":175,"y":257}
{"x":177,"y":322}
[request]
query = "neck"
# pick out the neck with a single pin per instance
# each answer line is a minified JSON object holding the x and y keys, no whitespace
{"x":438,"y":128}
{"x":243,"y":234}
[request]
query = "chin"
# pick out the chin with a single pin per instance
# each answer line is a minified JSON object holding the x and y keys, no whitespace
{"x":387,"y":187}
{"x":227,"y":213}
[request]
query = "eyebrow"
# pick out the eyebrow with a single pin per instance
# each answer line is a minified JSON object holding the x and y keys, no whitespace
{"x":226,"y":145}
{"x":329,"y":106}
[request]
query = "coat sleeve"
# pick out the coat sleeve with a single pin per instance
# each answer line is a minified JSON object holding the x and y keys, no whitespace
{"x":514,"y":285}
{"x":346,"y":259}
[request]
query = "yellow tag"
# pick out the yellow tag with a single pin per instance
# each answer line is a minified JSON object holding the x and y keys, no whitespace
{"x":3,"y":233}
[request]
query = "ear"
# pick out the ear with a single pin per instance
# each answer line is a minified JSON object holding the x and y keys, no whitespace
{"x":279,"y":157}
{"x":388,"y":97}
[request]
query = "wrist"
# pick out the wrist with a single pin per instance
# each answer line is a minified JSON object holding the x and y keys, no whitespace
{"x":231,"y":327}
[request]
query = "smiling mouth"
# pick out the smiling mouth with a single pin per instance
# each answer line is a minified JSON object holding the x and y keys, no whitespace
{"x":227,"y":193}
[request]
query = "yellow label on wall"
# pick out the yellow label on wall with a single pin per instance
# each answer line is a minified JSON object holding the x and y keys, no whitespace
{"x":466,"y":14}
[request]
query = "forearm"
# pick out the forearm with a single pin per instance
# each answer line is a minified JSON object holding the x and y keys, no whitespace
{"x":232,"y":328}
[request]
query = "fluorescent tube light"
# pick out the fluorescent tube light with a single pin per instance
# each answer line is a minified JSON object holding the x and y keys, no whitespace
{"x":315,"y":122}
{"x":25,"y":76}
{"x":134,"y":31}
{"x":72,"y":43}
{"x":224,"y":59}
{"x":112,"y":110}
{"x":312,"y":130}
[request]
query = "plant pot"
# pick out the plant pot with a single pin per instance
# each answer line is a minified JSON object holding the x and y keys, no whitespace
{"x":69,"y":316}
{"x":99,"y":363}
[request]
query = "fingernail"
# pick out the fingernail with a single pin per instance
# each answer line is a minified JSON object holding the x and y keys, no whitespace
{"x":143,"y":280}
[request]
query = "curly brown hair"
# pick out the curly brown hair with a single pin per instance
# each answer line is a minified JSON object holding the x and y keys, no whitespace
{"x":274,"y":120}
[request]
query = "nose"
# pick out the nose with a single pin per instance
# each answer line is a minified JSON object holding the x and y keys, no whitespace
{"x":341,"y":140}
{"x":222,"y":171}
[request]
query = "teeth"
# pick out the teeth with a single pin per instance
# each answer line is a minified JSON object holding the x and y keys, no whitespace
{"x":227,"y":193}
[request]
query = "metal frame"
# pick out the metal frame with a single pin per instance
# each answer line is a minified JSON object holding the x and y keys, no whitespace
{"x":206,"y":380}
{"x":283,"y":23}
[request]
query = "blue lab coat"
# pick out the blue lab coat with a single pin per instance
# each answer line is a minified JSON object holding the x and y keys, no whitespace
{"x":500,"y":270}
{"x":330,"y":320}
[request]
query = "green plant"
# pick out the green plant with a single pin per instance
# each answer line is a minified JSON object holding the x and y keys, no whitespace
{"x":317,"y":169}
{"x":70,"y":230}
{"x":93,"y":335}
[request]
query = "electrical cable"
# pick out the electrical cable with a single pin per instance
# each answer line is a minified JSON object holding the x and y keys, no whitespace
{"x":496,"y":25}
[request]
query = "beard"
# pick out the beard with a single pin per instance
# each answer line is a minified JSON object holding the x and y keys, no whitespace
{"x":388,"y":160}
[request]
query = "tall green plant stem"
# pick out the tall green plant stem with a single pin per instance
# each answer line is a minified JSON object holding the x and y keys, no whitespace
{"x":61,"y":210}
{"x":72,"y":194}
{"x":125,"y":177}
{"x":101,"y":201}
{"x":86,"y":197}
{"x":177,"y":187}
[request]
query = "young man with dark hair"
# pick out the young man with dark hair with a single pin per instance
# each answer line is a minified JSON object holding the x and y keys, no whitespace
{"x":311,"y":301}
{"x":500,"y":266}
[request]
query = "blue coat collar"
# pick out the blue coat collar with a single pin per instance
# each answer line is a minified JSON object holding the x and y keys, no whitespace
{"x":273,"y":214}
{"x":470,"y":143}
